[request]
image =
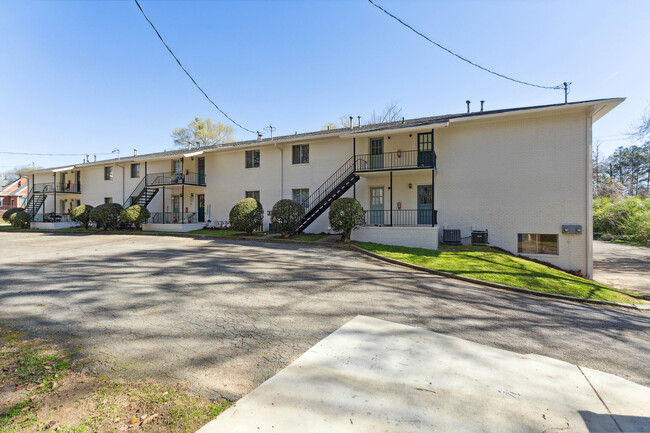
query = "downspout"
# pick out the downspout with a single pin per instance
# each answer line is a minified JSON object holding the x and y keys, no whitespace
{"x":183,"y":190}
{"x":281,"y":170}
{"x":589,"y":202}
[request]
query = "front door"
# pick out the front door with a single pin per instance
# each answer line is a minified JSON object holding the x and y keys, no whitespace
{"x":176,"y":209}
{"x":201,"y":207}
{"x":376,"y":153}
{"x":425,"y":149}
{"x":201,"y":171}
{"x":425,"y":204}
{"x":376,"y":205}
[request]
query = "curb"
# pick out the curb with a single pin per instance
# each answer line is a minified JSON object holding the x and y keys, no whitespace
{"x":352,"y":247}
{"x":499,"y":286}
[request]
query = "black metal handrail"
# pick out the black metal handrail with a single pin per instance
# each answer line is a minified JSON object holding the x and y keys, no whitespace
{"x":330,"y":184}
{"x":58,"y":187}
{"x":395,"y":160}
{"x":401,"y":217}
{"x":136,"y":193}
{"x":173,"y":218}
{"x":175,"y":178}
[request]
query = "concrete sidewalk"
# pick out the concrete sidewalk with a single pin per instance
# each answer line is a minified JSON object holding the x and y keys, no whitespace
{"x":377,"y":376}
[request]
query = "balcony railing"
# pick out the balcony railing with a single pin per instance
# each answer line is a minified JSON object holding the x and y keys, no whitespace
{"x":402,"y":217}
{"x":173,"y":218}
{"x":59,"y":188}
{"x":172,"y":178}
{"x":403,"y":159}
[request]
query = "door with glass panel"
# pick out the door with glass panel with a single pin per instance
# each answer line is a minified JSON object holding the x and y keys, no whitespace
{"x":425,"y":204}
{"x":176,"y":208}
{"x":376,"y":153}
{"x":425,"y":146}
{"x":376,"y":211}
{"x":201,"y":207}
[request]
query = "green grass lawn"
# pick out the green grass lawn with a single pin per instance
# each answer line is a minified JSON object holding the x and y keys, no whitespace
{"x":489,"y":264}
{"x":309,"y":237}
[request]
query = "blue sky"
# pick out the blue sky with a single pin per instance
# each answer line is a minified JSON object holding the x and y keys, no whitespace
{"x":91,"y":76}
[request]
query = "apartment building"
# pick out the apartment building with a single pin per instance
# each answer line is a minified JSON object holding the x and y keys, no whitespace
{"x":517,"y":178}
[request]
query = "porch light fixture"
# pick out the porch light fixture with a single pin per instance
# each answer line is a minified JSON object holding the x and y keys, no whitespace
{"x":410,"y":186}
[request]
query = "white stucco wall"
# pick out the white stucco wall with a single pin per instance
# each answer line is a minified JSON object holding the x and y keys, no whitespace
{"x":517,"y":176}
{"x":416,"y":237}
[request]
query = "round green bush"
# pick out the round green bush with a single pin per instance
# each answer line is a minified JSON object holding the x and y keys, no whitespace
{"x":107,"y":214}
{"x":346,"y":214}
{"x":247,"y":215}
{"x":286,"y":216}
{"x":81,"y":214}
{"x":10,"y":212}
{"x":20,"y":219}
{"x":135,"y":215}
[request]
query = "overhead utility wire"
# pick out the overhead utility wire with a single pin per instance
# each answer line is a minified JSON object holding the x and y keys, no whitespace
{"x":559,"y":86}
{"x":52,"y":154}
{"x":188,"y":74}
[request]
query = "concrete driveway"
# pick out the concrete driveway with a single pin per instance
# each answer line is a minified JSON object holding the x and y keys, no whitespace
{"x":225,"y":315}
{"x":622,"y":266}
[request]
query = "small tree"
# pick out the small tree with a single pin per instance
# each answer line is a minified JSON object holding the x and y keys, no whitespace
{"x":107,"y":214}
{"x":135,"y":215}
{"x":81,"y":214}
{"x":20,"y":219}
{"x":7,"y":215}
{"x":346,"y":214}
{"x":247,"y":215}
{"x":286,"y":216}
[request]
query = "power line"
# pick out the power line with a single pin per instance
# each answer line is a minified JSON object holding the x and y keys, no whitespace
{"x":558,"y":87}
{"x":187,"y":73}
{"x":53,"y":154}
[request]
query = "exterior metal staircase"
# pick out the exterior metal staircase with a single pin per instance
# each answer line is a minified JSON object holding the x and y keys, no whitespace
{"x":334,"y":187}
{"x":33,"y":203}
{"x":141,"y":195}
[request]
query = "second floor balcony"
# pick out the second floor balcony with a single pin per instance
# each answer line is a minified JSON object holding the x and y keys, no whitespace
{"x":57,"y":188}
{"x":400,"y":160}
{"x":175,"y":178}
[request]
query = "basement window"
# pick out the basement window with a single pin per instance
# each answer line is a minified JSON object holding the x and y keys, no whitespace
{"x":532,"y":243}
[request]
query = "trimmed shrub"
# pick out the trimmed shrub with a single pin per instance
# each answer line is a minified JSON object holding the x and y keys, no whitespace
{"x":20,"y":219}
{"x":81,"y":214}
{"x":286,"y":215}
{"x":107,"y":214}
{"x":135,"y":215}
{"x":10,"y":212}
{"x":346,"y":214}
{"x":247,"y":215}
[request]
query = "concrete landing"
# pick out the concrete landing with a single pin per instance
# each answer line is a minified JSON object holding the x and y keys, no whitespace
{"x":377,"y":376}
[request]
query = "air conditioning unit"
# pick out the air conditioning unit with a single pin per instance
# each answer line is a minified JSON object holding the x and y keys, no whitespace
{"x":479,"y":237}
{"x":451,"y":236}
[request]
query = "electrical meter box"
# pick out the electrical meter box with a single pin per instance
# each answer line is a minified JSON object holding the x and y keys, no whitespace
{"x":571,"y":229}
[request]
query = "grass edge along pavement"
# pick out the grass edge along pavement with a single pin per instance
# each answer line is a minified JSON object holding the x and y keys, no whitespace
{"x":46,"y":387}
{"x":495,"y":266}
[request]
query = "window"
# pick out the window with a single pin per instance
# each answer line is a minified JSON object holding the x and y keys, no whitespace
{"x":252,"y":158}
{"x":108,"y":173}
{"x":528,"y":243}
{"x":108,"y":200}
{"x":135,"y":170}
{"x":253,"y":194}
{"x":301,"y":195}
{"x":300,"y":154}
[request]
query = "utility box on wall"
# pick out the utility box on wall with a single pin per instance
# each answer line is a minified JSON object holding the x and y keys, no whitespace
{"x":571,"y":229}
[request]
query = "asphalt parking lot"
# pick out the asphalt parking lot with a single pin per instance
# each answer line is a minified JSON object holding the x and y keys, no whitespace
{"x":227,"y":315}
